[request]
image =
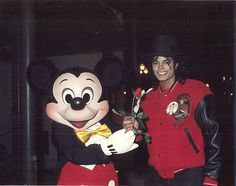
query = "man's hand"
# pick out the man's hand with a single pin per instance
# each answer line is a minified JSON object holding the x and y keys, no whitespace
{"x":129,"y":123}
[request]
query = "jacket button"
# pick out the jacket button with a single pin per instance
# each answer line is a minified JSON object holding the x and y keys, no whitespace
{"x":161,"y":123}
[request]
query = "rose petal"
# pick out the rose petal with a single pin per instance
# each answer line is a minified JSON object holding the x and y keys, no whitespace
{"x":137,"y":92}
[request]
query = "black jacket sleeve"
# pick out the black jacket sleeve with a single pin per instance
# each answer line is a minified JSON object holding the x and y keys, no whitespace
{"x":111,"y":124}
{"x":206,"y":117}
{"x":72,"y":149}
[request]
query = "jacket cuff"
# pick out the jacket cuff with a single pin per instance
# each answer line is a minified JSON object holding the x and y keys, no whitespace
{"x":210,"y":182}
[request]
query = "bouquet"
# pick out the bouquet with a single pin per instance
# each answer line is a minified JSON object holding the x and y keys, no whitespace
{"x":137,"y":113}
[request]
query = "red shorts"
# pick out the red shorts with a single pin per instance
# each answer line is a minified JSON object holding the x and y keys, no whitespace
{"x":102,"y":174}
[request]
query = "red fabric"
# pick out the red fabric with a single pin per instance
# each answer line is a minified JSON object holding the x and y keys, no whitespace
{"x":170,"y":148}
{"x":138,"y":138}
{"x":210,"y":182}
{"x":72,"y":174}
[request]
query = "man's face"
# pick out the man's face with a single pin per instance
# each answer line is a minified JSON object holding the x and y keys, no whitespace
{"x":164,"y":70}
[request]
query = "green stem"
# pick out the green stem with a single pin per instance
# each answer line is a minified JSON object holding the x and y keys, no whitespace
{"x":132,"y":107}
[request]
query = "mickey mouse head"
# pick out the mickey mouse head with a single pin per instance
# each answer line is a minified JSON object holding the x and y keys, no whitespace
{"x":78,"y":99}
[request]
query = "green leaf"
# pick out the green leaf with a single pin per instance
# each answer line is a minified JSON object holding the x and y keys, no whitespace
{"x":141,"y":115}
{"x":141,"y":124}
{"x":133,"y":115}
{"x":147,"y":137}
{"x":136,"y":131}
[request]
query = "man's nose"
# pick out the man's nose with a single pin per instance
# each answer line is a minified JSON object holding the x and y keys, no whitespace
{"x":160,"y":66}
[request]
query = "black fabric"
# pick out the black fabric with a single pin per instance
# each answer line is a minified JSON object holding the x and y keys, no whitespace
{"x":165,"y":45}
{"x":70,"y":148}
{"x":190,"y":138}
{"x":205,"y":116}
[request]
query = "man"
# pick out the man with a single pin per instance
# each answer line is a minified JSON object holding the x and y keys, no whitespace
{"x":185,"y":145}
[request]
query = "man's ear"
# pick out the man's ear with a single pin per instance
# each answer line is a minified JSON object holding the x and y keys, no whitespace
{"x":40,"y":74}
{"x":176,"y":65}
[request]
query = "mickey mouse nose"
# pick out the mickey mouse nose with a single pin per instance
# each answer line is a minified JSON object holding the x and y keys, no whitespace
{"x":77,"y":103}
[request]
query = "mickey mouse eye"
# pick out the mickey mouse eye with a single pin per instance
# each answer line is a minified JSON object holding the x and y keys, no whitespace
{"x":67,"y":96}
{"x":87,"y":95}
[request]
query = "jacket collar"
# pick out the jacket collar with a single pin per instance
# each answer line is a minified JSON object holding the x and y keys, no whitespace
{"x":162,"y":90}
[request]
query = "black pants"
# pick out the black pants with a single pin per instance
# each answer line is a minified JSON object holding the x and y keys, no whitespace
{"x":187,"y":177}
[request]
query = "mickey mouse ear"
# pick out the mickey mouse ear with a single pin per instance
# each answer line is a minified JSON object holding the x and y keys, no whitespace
{"x":40,"y":74}
{"x":111,"y":70}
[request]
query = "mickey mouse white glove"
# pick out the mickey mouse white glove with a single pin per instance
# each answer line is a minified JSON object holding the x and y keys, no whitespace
{"x":119,"y":142}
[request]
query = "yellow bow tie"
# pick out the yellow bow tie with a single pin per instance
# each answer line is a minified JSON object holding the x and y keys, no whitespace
{"x":103,"y":130}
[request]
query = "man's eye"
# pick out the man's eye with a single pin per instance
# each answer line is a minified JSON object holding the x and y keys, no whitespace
{"x":154,"y":62}
{"x":167,"y":62}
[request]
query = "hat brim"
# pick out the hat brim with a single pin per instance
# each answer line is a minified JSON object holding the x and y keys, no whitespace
{"x":163,"y":54}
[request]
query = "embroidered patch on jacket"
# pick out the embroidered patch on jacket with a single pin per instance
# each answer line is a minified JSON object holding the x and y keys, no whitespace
{"x":172,"y":108}
{"x":183,"y":107}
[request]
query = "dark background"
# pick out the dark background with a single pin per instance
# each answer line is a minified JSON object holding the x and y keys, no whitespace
{"x":40,"y":29}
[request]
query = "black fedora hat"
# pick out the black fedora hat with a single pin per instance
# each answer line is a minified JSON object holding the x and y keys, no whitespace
{"x":165,"y":45}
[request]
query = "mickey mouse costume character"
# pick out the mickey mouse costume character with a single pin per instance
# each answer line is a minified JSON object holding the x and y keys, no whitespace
{"x":185,"y":144}
{"x":82,"y":132}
